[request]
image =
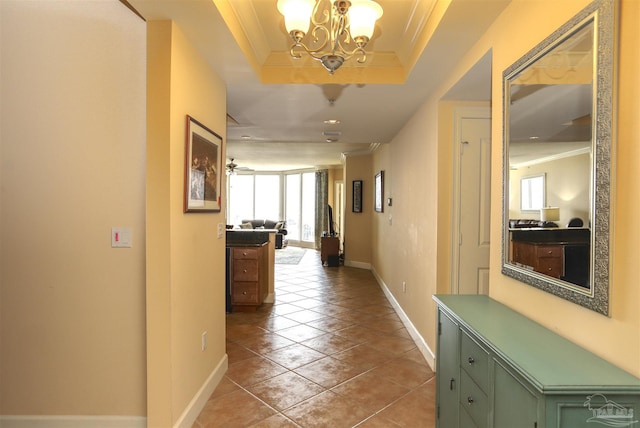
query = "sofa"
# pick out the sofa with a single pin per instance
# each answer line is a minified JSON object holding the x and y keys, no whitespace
{"x":529,"y":223}
{"x":278,"y":226}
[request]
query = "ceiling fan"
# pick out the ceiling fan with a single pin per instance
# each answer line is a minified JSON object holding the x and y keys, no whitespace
{"x":233,"y":167}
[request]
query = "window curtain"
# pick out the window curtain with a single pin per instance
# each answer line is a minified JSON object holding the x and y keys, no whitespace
{"x":322,"y":200}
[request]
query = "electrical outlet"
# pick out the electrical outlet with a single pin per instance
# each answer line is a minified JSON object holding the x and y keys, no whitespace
{"x":404,"y":287}
{"x":204,"y":341}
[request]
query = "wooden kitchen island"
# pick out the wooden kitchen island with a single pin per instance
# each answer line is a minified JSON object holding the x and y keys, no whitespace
{"x":250,"y":269}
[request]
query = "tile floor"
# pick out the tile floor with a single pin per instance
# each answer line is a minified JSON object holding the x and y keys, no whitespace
{"x":331,"y":352}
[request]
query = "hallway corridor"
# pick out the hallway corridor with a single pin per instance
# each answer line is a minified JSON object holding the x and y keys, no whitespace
{"x":331,"y":352}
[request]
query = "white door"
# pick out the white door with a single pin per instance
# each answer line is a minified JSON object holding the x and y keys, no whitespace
{"x":472,"y":206}
{"x":338,"y":200}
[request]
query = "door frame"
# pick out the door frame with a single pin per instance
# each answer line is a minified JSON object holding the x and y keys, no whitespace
{"x":459,"y":113}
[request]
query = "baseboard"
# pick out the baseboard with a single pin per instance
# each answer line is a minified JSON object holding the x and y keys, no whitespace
{"x":45,"y":421}
{"x":187,"y":418}
{"x":359,"y":265}
{"x":271,"y":298}
{"x":199,"y":400}
{"x":428,"y":354}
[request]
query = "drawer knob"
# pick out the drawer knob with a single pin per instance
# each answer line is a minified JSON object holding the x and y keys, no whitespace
{"x":244,"y":254}
{"x":471,"y":360}
{"x":470,"y":400}
{"x":244,"y":292}
{"x":244,"y":271}
{"x":550,"y":252}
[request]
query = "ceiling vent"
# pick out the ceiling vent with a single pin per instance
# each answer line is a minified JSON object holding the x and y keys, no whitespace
{"x":332,"y":133}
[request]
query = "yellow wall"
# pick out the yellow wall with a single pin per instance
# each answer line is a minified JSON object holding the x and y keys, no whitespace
{"x":357,"y":233}
{"x":420,"y":164}
{"x":185,"y":259}
{"x":616,"y":338}
{"x":406,"y":249}
{"x":73,"y":166}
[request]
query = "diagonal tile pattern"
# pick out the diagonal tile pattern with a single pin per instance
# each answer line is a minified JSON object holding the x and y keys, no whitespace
{"x":331,"y":352}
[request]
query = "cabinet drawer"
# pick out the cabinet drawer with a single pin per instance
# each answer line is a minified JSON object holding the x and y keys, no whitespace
{"x":474,"y":360}
{"x":473,"y":400}
{"x":245,"y":270}
{"x":549,"y":251}
{"x":550,"y":266}
{"x":245,"y":253}
{"x":245,"y":293}
{"x":465,"y":419}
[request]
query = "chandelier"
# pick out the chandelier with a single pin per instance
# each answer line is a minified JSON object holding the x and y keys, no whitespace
{"x":343,"y":30}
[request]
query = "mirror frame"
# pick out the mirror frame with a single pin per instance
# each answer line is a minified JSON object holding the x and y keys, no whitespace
{"x":603,"y":14}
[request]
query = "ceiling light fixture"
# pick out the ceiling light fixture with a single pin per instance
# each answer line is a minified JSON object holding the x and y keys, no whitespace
{"x":344,"y":29}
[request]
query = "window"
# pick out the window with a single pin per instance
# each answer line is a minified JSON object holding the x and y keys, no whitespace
{"x":532,"y":193}
{"x":267,"y":197}
{"x":300,"y":207}
{"x":254,"y":197}
{"x":240,"y":198}
{"x":261,"y":197}
{"x":293,"y":207}
{"x":309,"y":207}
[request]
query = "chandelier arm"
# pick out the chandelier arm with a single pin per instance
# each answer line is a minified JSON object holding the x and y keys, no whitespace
{"x":343,"y":27}
{"x":347,"y":55}
{"x":325,"y":14}
{"x":363,"y":57}
{"x":293,"y":53}
{"x":316,"y":38}
{"x":313,"y":53}
{"x":336,"y":29}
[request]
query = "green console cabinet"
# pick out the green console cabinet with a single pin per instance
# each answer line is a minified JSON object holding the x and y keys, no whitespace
{"x":496,"y":368}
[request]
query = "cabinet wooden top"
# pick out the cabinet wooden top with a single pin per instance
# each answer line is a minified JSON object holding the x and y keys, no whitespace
{"x":546,"y":359}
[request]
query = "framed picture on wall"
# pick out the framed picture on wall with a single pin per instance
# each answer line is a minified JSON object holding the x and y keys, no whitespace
{"x":203,"y":165}
{"x":379,"y":192}
{"x":357,"y":196}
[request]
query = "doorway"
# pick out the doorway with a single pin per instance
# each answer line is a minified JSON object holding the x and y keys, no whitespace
{"x":471,"y":201}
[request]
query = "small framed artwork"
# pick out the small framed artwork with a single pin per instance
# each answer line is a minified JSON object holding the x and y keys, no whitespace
{"x":379,"y":192}
{"x":357,"y":196}
{"x":203,"y":164}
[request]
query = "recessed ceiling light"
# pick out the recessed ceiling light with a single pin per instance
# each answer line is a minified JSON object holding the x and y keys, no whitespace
{"x":332,"y":121}
{"x":246,"y":137}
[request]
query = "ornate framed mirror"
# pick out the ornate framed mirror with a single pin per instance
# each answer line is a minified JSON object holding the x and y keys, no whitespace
{"x":558,"y":122}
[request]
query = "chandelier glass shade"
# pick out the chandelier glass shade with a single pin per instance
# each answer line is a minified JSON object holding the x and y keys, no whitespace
{"x":340,"y":29}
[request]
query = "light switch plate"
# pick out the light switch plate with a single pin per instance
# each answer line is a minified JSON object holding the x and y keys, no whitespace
{"x":121,"y":237}
{"x":220,"y":230}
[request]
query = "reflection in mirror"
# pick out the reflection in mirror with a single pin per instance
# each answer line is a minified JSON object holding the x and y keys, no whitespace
{"x":557,"y":107}
{"x":532,"y":193}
